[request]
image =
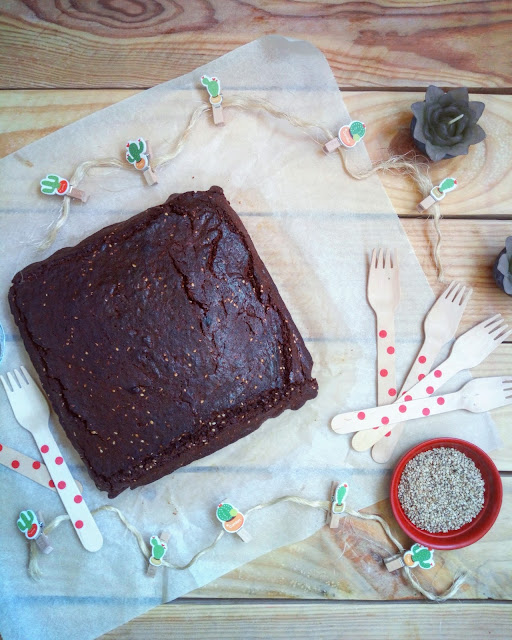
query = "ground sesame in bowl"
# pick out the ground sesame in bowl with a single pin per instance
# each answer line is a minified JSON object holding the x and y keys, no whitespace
{"x":441,"y":490}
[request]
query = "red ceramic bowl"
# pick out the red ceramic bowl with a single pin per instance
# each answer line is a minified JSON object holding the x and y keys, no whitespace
{"x":470,"y":532}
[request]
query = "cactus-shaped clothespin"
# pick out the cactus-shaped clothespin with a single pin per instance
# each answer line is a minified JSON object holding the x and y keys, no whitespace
{"x":348,"y":136}
{"x":158,"y":551}
{"x":338,"y":495}
{"x":232,"y":520}
{"x":438,"y":193}
{"x":138,"y":153}
{"x":32,"y":525}
{"x":213,"y":87}
{"x":53,"y":184}
{"x":417,"y":556}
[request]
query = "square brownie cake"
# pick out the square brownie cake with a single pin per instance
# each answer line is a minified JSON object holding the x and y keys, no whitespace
{"x":160,"y":339}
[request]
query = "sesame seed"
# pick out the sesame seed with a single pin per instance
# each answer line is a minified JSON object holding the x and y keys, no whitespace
{"x":441,"y":490}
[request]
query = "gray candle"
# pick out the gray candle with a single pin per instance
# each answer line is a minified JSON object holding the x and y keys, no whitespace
{"x":445,"y":124}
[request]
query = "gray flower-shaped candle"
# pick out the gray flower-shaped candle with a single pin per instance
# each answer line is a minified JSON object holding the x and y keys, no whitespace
{"x":445,"y":124}
{"x":502,"y":270}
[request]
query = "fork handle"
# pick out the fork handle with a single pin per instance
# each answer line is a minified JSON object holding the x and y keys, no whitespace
{"x":386,"y":367}
{"x":423,"y":363}
{"x":427,"y":386}
{"x":81,"y":518}
{"x":421,"y":408}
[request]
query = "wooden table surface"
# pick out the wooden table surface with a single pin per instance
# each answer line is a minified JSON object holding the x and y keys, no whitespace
{"x":62,"y":60}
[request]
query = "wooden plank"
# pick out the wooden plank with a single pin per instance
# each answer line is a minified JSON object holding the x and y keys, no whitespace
{"x":385,"y":43}
{"x":347,"y":564}
{"x":469,"y":249}
{"x":27,"y":116}
{"x":497,"y":364}
{"x":485,"y":188}
{"x":184,"y":620}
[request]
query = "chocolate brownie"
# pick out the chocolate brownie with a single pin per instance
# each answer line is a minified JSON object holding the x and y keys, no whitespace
{"x":160,"y":339}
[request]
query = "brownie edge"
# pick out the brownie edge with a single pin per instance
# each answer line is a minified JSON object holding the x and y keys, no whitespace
{"x":160,"y":339}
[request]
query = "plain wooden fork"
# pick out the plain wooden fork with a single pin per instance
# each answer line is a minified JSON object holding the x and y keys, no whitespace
{"x":384,"y":295}
{"x":31,"y":410}
{"x":440,"y":326}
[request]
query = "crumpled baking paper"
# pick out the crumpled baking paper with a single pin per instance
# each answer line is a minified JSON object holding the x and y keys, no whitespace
{"x":314,"y":228}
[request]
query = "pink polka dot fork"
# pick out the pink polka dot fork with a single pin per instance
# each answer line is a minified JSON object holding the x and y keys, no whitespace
{"x":31,"y":410}
{"x":469,"y":350}
{"x":440,"y":325}
{"x":477,"y":395}
{"x":384,"y":295}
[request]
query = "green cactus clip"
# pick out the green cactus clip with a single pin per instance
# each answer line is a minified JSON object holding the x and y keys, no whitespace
{"x":226,"y":512}
{"x":136,"y":153}
{"x":28,"y":524}
{"x":448,"y":184}
{"x":212,"y":86}
{"x":338,"y":504}
{"x":53,"y":184}
{"x":419,"y":556}
{"x":158,"y":551}
{"x":357,"y":130}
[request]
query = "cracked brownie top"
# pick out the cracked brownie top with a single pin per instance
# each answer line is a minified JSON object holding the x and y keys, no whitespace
{"x":160,"y":339}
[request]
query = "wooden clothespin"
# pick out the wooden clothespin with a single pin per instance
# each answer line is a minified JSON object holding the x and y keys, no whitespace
{"x":32,"y":525}
{"x":232,"y":520}
{"x":348,"y":136}
{"x":437,"y":193}
{"x":138,"y":153}
{"x":338,"y":495}
{"x":55,"y":185}
{"x":213,"y":87}
{"x":158,"y":551}
{"x":417,"y":556}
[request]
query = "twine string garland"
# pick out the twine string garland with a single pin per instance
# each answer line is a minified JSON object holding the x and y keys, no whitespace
{"x":397,"y":164}
{"x":35,"y":572}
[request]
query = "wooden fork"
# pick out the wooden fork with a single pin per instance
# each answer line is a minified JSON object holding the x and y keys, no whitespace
{"x":469,"y":350}
{"x":440,"y":326}
{"x":477,"y":395}
{"x":384,"y":295}
{"x":31,"y":410}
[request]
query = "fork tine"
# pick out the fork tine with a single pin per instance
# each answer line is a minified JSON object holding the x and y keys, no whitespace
{"x":457,"y":294}
{"x":500,"y":338}
{"x":19,"y":378}
{"x":380,"y":260}
{"x":496,"y":327}
{"x":463,"y":302}
{"x":12,"y":382}
{"x":487,"y":323}
{"x":4,"y":382}
{"x":453,"y":293}
{"x":373,"y":261}
{"x":395,"y":258}
{"x":449,"y":289}
{"x":456,"y":291}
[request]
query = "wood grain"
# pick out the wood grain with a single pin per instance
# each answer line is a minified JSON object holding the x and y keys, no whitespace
{"x":483,"y":176}
{"x":184,"y":620}
{"x":387,"y":43}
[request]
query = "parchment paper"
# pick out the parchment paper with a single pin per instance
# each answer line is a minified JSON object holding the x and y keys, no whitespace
{"x":314,"y":228}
